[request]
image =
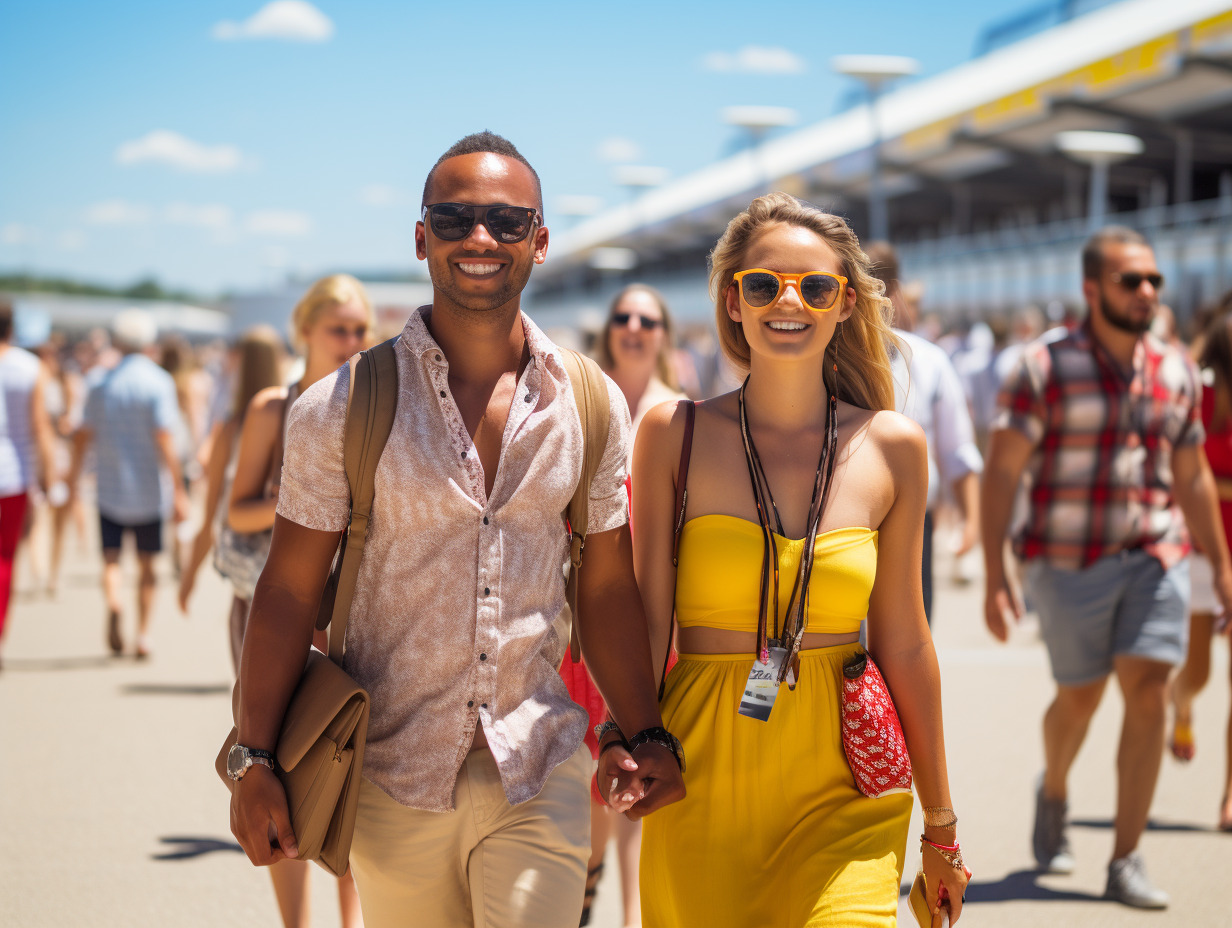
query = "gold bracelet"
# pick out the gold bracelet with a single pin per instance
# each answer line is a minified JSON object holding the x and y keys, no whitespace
{"x":939,"y":817}
{"x":952,"y":855}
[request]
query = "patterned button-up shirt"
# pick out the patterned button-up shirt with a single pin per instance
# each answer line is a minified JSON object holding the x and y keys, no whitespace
{"x":1101,"y":474}
{"x":459,"y":617}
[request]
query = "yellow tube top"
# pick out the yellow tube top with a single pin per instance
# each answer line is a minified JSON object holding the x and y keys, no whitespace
{"x":719,"y":575}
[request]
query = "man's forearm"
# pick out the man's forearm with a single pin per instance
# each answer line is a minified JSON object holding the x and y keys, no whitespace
{"x":612,"y":630}
{"x":1199,"y":502}
{"x":996,"y":508}
{"x":276,"y":642}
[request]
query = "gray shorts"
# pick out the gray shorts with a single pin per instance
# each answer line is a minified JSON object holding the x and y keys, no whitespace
{"x":1123,"y":604}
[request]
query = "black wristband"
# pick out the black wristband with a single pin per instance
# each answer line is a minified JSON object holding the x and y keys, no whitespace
{"x":663,"y":738}
{"x":602,"y":731}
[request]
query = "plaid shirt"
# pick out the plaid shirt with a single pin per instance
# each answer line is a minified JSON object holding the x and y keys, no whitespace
{"x":1101,"y":475}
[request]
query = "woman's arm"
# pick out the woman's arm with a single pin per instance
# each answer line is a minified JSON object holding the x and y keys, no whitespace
{"x":221,"y":441}
{"x":899,"y":639}
{"x":250,"y":510}
{"x":656,"y":454}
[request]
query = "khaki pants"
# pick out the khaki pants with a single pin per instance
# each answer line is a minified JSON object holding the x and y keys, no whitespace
{"x":487,"y":863}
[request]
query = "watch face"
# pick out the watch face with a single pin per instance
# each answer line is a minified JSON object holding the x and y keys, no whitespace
{"x":237,"y":761}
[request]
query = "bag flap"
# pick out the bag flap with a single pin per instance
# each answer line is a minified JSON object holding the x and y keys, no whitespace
{"x":326,"y":702}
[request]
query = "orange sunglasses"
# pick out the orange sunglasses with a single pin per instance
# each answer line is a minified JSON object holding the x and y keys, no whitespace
{"x":818,"y":290}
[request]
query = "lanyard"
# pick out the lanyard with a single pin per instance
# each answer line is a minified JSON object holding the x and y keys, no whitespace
{"x":795,"y":620}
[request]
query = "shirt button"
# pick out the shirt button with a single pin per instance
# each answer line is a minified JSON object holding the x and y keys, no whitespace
{"x":483,"y":657}
{"x":470,"y":704}
{"x":487,"y":591}
{"x":464,"y":454}
{"x":442,"y":393}
{"x":484,"y":706}
{"x":485,"y":520}
{"x":436,"y":357}
{"x":529,"y":397}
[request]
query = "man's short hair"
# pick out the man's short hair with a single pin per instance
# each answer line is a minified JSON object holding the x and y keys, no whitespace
{"x":134,"y":330}
{"x":484,"y":142}
{"x":1093,"y":250}
{"x":6,"y":319}
{"x":883,"y":263}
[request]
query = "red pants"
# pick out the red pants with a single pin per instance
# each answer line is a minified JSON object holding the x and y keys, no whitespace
{"x":12,"y":518}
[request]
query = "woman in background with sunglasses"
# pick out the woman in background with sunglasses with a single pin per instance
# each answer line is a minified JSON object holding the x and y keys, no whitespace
{"x":635,"y":350}
{"x":803,"y":476}
{"x":330,"y":323}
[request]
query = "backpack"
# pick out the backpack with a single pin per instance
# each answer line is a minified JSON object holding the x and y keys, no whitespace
{"x":371,"y":406}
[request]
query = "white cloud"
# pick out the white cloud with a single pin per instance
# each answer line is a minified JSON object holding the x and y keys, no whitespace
{"x":289,"y":20}
{"x":117,"y":213}
{"x":619,"y":149}
{"x":163,"y":146}
{"x":381,"y":195}
{"x":755,"y":59}
{"x":205,"y":215}
{"x":15,"y":233}
{"x":71,"y":240}
{"x":282,"y":223}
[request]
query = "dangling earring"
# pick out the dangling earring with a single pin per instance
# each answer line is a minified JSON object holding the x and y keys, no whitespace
{"x":834,"y":365}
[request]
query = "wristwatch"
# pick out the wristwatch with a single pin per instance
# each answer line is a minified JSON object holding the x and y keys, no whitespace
{"x":240,"y":758}
{"x":602,"y":731}
{"x":661,"y":737}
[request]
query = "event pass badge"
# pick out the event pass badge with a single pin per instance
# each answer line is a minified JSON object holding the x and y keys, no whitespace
{"x":762,"y":686}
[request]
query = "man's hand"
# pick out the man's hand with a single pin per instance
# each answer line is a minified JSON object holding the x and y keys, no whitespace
{"x":181,"y":506}
{"x":259,"y":817}
{"x":637,"y":785}
{"x":1000,"y":599}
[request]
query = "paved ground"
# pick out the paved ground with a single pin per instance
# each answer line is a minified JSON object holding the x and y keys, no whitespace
{"x":111,"y":814}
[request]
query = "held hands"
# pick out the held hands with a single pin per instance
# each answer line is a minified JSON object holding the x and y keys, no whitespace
{"x":259,"y":817}
{"x":638,"y":784}
{"x":1000,"y":600}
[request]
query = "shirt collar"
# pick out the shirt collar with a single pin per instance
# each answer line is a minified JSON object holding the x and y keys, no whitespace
{"x":419,"y":340}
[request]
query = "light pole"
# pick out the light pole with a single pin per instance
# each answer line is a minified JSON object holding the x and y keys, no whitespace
{"x":1099,"y":150}
{"x":875,"y":72}
{"x":757,"y":121}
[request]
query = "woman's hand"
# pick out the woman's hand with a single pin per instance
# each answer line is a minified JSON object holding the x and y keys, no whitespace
{"x":945,"y":884}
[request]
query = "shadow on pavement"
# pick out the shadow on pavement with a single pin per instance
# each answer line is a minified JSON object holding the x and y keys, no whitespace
{"x":85,"y":662}
{"x":189,"y":847}
{"x":176,"y":689}
{"x":1106,"y":823}
{"x":1024,"y":884}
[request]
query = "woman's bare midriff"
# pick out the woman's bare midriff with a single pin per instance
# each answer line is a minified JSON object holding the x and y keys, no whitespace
{"x":698,"y":639}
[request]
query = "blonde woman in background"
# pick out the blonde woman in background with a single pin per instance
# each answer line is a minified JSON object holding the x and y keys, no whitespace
{"x":773,"y":830}
{"x":333,"y":321}
{"x":260,"y":362}
{"x":635,"y":350}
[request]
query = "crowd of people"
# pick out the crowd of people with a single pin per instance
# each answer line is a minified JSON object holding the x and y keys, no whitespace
{"x":751,"y":556}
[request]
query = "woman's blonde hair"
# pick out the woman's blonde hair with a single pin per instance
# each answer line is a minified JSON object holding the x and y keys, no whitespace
{"x":860,"y":346}
{"x":663,"y":364}
{"x":335,"y":290}
{"x":260,"y":365}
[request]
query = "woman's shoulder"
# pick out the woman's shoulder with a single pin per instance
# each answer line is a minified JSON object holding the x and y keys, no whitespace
{"x":267,"y":403}
{"x":900,"y":439}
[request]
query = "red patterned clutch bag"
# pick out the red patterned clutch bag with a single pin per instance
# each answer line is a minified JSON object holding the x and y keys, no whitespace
{"x":872,"y":734}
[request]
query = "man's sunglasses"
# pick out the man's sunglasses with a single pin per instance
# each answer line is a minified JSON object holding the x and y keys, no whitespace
{"x":623,"y":319}
{"x":818,"y":290}
{"x":1132,"y":281}
{"x":506,"y":224}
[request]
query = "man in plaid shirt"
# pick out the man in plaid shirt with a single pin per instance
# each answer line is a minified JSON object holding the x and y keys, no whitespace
{"x":1106,"y":421}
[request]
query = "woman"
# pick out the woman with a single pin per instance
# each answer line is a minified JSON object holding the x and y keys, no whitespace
{"x":330,"y":323}
{"x":1215,"y":360}
{"x":635,"y":350}
{"x":259,"y":366}
{"x":773,"y":830}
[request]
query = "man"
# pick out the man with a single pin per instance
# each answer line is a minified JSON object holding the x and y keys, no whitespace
{"x":1108,"y":419}
{"x":132,"y":415}
{"x":928,"y":391}
{"x":26,"y":446}
{"x":474,"y":808}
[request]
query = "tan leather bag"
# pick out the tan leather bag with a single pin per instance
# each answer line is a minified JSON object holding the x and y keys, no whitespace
{"x":595,"y":411}
{"x":320,"y":749}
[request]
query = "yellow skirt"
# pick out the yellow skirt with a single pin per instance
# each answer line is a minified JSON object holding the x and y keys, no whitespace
{"x":773,"y":831}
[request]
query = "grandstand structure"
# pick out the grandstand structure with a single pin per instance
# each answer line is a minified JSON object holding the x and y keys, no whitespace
{"x":988,"y":213}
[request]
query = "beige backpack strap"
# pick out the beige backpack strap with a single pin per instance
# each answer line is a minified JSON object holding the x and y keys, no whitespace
{"x":371,"y":405}
{"x":595,"y":412}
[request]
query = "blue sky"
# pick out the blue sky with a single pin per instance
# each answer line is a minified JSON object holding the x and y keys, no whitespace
{"x":194,"y":142}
